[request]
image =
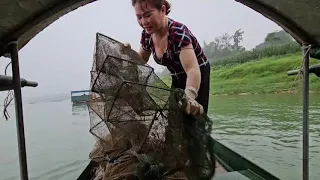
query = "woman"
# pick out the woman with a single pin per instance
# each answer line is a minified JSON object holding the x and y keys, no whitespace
{"x":173,"y":45}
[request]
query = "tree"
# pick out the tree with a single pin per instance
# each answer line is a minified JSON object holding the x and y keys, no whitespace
{"x":237,"y":38}
{"x":224,"y":45}
{"x":275,"y":38}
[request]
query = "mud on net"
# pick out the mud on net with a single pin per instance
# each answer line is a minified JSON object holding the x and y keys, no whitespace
{"x":140,"y":129}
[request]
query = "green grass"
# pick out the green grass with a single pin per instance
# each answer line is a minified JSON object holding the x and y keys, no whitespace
{"x":268,"y":75}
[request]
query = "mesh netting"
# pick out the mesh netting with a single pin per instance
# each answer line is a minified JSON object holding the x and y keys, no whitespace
{"x":141,"y":130}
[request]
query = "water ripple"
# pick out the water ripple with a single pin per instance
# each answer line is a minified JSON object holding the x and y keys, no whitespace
{"x":268,"y":130}
{"x":59,"y":172}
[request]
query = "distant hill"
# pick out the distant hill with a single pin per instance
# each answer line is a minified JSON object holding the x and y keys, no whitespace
{"x":275,"y":38}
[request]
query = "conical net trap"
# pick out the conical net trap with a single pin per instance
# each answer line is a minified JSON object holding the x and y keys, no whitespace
{"x":140,"y":128}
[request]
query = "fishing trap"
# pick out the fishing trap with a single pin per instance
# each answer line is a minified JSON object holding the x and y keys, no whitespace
{"x":133,"y":113}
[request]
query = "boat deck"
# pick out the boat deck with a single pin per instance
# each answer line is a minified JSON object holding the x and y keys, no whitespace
{"x":231,"y":167}
{"x":222,"y":174}
{"x":237,"y":175}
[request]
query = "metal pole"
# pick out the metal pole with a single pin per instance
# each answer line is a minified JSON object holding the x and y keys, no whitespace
{"x":305,"y":122}
{"x":13,"y":48}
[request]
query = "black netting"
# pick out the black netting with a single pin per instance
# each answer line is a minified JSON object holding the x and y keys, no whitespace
{"x":141,"y":130}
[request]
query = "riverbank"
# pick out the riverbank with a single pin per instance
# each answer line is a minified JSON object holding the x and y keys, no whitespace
{"x":268,"y":75}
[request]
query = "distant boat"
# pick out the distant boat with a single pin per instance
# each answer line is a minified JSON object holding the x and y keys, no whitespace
{"x":80,"y":96}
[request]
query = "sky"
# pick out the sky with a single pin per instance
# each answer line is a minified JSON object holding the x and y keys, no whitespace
{"x":60,"y":57}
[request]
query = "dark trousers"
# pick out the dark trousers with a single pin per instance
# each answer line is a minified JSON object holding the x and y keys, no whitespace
{"x":194,"y":129}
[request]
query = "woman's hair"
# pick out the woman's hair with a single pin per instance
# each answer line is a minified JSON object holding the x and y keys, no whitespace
{"x":156,"y":3}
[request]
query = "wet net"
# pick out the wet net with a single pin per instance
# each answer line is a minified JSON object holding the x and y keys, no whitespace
{"x":139,"y":124}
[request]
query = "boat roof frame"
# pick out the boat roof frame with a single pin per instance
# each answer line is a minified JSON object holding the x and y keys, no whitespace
{"x":27,"y":30}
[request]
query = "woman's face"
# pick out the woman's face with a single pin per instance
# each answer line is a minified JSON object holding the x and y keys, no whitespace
{"x":149,"y":18}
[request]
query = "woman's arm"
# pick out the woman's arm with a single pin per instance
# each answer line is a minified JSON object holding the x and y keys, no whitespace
{"x":190,"y":64}
{"x":145,"y":55}
{"x":191,"y":67}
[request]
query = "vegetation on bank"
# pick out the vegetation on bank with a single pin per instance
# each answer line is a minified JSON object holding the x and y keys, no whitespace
{"x":263,"y":69}
{"x":226,"y":50}
{"x":257,"y":54}
{"x":269,"y":75}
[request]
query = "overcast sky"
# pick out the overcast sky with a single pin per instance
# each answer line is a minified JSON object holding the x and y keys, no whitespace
{"x":60,"y":57}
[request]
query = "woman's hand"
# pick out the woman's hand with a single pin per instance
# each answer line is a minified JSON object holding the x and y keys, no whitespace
{"x":126,"y":45}
{"x":192,"y":106}
{"x":143,"y":55}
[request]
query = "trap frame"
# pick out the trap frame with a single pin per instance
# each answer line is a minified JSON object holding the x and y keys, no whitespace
{"x":134,"y":114}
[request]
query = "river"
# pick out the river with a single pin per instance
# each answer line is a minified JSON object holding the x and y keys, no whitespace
{"x":266,"y":129}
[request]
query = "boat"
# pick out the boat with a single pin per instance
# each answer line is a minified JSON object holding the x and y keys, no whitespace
{"x":80,"y":96}
{"x":25,"y":20}
{"x":229,"y":166}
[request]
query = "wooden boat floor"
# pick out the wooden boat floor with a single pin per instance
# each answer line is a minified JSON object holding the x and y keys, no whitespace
{"x":237,"y":175}
{"x":222,"y":174}
{"x":220,"y":169}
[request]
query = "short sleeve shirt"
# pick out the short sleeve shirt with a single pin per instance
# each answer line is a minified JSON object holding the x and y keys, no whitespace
{"x":179,"y":36}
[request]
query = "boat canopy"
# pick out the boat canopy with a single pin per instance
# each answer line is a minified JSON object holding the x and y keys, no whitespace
{"x":22,"y":20}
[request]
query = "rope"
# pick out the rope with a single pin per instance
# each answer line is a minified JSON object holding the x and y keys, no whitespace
{"x":302,"y":62}
{"x":8,"y":99}
{"x":10,"y":95}
{"x":301,"y":67}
